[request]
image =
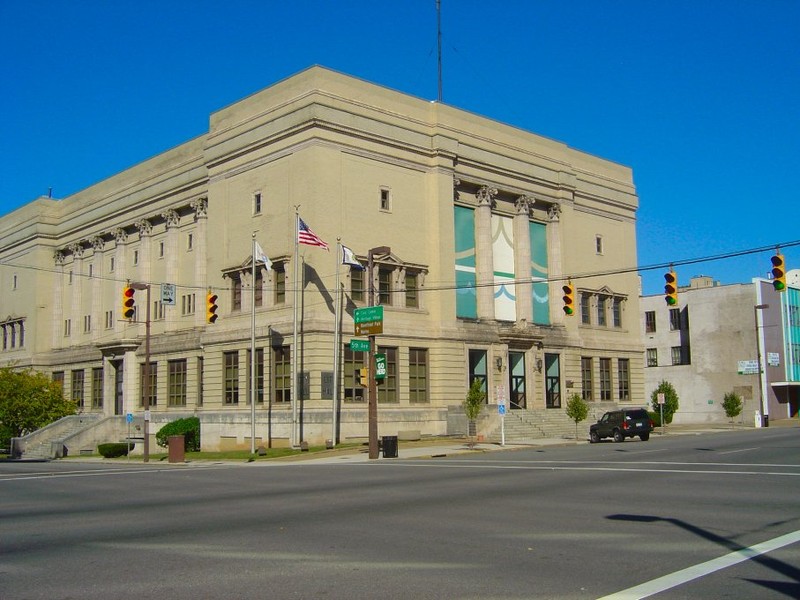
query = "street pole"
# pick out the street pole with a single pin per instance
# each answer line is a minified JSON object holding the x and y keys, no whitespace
{"x":373,"y":387}
{"x":146,"y":370}
{"x":764,"y":417}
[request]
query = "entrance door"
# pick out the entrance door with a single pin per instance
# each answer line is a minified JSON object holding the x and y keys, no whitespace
{"x":119,"y":408}
{"x":516,"y":379}
{"x":552,"y":380}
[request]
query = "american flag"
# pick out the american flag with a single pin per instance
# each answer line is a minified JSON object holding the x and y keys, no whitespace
{"x":308,"y":237}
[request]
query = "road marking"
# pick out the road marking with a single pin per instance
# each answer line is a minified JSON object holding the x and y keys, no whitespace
{"x":98,"y":472}
{"x":677,"y":578}
{"x":735,"y":451}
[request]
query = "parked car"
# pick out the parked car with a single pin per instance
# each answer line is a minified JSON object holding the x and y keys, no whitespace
{"x":621,"y":424}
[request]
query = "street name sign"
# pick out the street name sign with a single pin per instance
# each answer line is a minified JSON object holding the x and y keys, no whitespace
{"x":369,"y":320}
{"x":359,"y":345}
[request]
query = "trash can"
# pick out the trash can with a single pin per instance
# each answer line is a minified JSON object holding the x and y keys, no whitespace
{"x":389,"y":443}
{"x":177,"y":454}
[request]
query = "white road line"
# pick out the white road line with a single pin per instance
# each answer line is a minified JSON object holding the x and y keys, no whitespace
{"x":735,"y":451}
{"x":695,"y":572}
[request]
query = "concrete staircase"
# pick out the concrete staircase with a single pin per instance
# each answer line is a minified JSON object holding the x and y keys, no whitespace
{"x":48,"y":442}
{"x":537,"y":423}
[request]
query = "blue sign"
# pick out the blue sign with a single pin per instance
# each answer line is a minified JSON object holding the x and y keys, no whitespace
{"x":129,"y":418}
{"x":501,"y":409}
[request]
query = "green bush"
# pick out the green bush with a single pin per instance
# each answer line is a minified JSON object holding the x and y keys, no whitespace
{"x":114,"y":450}
{"x":189,"y":428}
{"x":670,"y":400}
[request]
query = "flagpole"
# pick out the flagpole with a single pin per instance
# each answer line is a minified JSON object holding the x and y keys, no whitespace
{"x":293,"y":393}
{"x":253,"y":350}
{"x":336,"y":342}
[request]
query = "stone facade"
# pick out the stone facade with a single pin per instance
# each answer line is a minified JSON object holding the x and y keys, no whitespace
{"x":484,"y":222}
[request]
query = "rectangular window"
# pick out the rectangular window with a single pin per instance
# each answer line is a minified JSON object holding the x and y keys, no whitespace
{"x":417,"y":375}
{"x":13,"y":336}
{"x":188,"y":304}
{"x":586,"y":378}
{"x":386,"y":199}
{"x":148,"y":387}
{"x":387,"y":390}
{"x":160,"y":249}
{"x":478,"y":368}
{"x":624,"y":379}
{"x":586,"y":318}
{"x":91,"y":271}
{"x":598,"y":244}
{"x":135,"y":257}
{"x":97,"y":387}
{"x":652,"y":357}
{"x":676,"y":355}
{"x":616,"y":312}
{"x":605,"y":379}
{"x":189,"y":242}
{"x":176,"y":382}
{"x":650,"y":321}
{"x":67,"y":327}
{"x":259,"y":375}
{"x":674,"y":319}
{"x":236,"y":292}
{"x":279,"y":273}
{"x":231,"y":370}
{"x":77,"y":388}
{"x":21,"y":334}
{"x":58,"y":378}
{"x":109,"y":319}
{"x":353,"y":363}
{"x":357,"y":285}
{"x":601,"y":311}
{"x":87,"y":323}
{"x":258,"y":290}
{"x":412,"y":298}
{"x":385,"y":286}
{"x":282,"y":382}
{"x":158,"y":311}
{"x":111,"y":265}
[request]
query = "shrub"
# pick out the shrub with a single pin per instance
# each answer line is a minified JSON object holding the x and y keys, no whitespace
{"x":732,"y":405}
{"x":670,"y":400}
{"x":114,"y":450}
{"x":189,"y":428}
{"x":577,"y":410}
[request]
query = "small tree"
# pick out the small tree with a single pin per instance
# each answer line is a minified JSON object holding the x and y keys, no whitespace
{"x":670,"y":400}
{"x":732,"y":405}
{"x":29,"y":400}
{"x":577,"y":410}
{"x":473,"y":405}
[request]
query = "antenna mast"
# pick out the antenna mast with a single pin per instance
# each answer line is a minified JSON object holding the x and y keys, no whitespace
{"x":439,"y":42}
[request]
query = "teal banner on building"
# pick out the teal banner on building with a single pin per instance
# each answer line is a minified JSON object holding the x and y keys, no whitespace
{"x":466,"y":300}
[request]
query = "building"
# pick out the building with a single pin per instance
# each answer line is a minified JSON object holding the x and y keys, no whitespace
{"x":715,"y":340}
{"x":480,"y":225}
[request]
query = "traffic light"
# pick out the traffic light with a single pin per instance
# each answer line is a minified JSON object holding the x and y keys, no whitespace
{"x":211,"y":307}
{"x":671,"y":288}
{"x":778,"y":273}
{"x":569,"y":298}
{"x":128,"y":303}
{"x":363,"y":377}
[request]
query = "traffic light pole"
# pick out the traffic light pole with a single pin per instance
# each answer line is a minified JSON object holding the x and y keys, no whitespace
{"x":373,"y":386}
{"x":146,"y":370}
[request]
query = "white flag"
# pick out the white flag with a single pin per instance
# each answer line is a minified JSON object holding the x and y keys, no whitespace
{"x":348,"y":258}
{"x":260,"y":256}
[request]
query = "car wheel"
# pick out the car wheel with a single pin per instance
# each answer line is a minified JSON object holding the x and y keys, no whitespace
{"x":644,"y":437}
{"x":618,"y":437}
{"x":594,"y":437}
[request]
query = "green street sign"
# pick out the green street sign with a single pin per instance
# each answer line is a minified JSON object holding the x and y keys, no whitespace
{"x":380,"y":366}
{"x":359,"y":345}
{"x":369,"y":320}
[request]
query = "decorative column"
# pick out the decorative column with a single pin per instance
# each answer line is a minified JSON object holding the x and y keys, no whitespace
{"x":484,"y":264}
{"x":522,"y":260}
{"x":97,"y":243}
{"x":200,"y":254}
{"x":77,"y":285}
{"x":58,"y":300}
{"x":120,"y":273}
{"x":555,"y":268}
{"x":171,"y":221}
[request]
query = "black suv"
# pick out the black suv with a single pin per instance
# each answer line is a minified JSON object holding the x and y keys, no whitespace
{"x":622,"y":423}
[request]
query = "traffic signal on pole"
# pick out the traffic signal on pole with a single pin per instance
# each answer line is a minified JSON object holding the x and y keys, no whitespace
{"x":211,"y":307}
{"x":128,"y":302}
{"x":671,"y":288}
{"x":569,"y":298}
{"x":363,"y":377}
{"x":778,"y":273}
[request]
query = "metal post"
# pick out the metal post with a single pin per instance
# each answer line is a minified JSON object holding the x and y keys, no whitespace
{"x":146,"y":370}
{"x":373,"y":388}
{"x":764,"y":418}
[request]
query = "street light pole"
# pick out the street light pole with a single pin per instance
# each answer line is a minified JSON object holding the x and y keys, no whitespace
{"x":146,"y":370}
{"x":764,"y":417}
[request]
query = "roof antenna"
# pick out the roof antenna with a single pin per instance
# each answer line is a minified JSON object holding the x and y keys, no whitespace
{"x":439,"y":42}
{"x":50,"y":192}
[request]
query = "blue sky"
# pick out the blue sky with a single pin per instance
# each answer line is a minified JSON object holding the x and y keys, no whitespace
{"x":700,"y":97}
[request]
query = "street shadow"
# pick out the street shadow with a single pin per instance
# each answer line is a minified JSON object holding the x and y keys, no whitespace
{"x":789,"y":589}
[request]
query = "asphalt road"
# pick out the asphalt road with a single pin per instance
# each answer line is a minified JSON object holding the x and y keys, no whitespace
{"x":694,"y":516}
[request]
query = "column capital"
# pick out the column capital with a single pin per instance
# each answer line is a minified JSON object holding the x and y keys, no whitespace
{"x":200,"y":206}
{"x":486,"y":195}
{"x":59,"y":257}
{"x":523,"y":204}
{"x":554,"y":213}
{"x":144,"y":226}
{"x":120,"y":235}
{"x":97,"y":243}
{"x":171,"y":217}
{"x":77,"y":249}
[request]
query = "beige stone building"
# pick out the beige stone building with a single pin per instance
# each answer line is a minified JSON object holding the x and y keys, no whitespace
{"x":485,"y":223}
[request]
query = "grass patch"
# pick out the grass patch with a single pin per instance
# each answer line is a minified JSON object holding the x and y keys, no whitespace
{"x":243,"y":455}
